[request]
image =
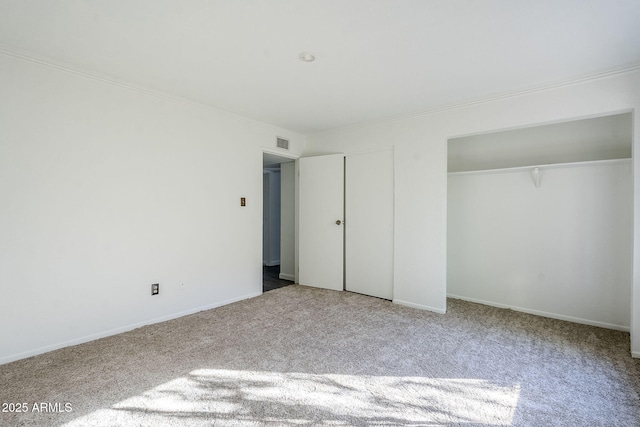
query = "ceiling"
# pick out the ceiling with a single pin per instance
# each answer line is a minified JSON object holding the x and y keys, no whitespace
{"x":376,"y":59}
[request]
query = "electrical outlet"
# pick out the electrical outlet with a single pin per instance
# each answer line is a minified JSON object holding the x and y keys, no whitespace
{"x":155,"y":289}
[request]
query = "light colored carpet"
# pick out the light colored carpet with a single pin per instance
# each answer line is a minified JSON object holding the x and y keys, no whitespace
{"x":304,"y":356}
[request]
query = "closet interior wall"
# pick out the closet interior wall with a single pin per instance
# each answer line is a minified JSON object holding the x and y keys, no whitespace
{"x":551,"y":240}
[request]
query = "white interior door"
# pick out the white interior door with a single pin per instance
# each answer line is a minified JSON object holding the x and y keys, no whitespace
{"x":369,"y":223}
{"x":320,"y":222}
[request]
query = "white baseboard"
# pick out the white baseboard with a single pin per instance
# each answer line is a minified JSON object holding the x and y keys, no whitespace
{"x":115,"y":331}
{"x":419,"y":306}
{"x":271,"y":263}
{"x":545,"y":314}
{"x":285,"y":276}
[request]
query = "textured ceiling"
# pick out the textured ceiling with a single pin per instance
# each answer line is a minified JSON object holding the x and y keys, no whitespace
{"x":377,"y":59}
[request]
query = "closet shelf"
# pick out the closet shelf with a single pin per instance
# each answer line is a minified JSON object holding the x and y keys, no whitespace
{"x":544,"y":166}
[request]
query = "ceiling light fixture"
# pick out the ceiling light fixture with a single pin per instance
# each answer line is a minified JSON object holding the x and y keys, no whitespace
{"x":307,"y":56}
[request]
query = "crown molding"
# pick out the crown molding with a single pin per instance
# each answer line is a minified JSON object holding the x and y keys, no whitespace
{"x":113,"y":81}
{"x":629,"y":68}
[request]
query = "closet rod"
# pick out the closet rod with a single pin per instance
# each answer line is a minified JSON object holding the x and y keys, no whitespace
{"x":546,"y":166}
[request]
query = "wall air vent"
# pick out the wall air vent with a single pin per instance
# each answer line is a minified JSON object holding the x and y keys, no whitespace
{"x":282,"y":143}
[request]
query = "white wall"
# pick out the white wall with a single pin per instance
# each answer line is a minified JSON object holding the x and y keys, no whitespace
{"x":105,"y":190}
{"x":562,"y":249}
{"x":420,"y":250}
{"x":287,"y":221}
{"x":600,"y":138}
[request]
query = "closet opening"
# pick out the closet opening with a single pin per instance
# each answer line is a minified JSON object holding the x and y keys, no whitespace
{"x":540,"y":220}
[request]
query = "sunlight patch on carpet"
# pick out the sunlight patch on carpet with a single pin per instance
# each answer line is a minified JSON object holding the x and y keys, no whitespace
{"x":244,"y":397}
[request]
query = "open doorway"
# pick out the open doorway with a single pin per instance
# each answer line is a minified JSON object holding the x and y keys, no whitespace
{"x":278,"y":226}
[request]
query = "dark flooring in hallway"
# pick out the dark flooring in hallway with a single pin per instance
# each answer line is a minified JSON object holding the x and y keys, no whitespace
{"x":270,"y":279}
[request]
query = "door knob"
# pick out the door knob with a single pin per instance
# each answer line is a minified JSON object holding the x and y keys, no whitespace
{"x":338,"y":222}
